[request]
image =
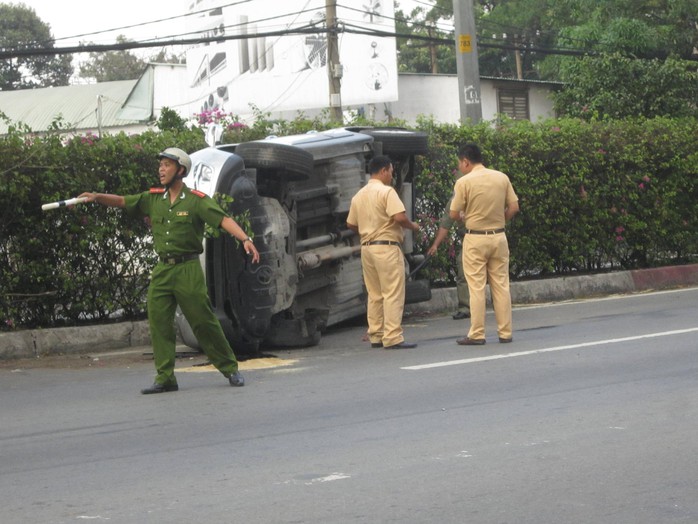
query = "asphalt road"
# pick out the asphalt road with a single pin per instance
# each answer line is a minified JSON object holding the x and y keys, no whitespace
{"x":589,"y":416}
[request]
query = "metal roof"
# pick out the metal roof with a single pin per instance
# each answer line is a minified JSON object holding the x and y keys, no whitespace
{"x":552,"y":83}
{"x":76,"y":104}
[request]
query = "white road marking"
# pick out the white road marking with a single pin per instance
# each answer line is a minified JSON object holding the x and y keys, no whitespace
{"x":548,"y":350}
{"x":328,"y":478}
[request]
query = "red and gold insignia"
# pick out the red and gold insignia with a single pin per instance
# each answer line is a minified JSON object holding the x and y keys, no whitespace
{"x":157,"y":190}
{"x":198,"y":193}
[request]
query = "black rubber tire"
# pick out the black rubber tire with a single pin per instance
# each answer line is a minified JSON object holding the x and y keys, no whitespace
{"x":399,"y":142}
{"x":297,"y":162}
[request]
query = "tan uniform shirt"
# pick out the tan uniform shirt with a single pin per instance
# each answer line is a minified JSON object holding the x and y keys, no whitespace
{"x":372,"y":209}
{"x":483,"y":195}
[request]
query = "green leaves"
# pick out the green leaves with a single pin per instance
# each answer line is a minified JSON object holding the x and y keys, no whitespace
{"x":594,"y":195}
{"x":615,"y":86}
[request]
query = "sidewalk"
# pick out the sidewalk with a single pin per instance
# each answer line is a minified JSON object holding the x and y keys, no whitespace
{"x":86,"y":339}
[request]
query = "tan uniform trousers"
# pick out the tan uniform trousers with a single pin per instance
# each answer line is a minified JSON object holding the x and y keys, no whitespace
{"x":384,"y":277}
{"x":486,"y":259}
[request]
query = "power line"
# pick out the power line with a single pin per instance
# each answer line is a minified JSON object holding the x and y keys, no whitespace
{"x":145,"y":23}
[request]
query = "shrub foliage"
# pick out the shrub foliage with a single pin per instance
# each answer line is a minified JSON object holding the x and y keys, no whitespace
{"x":594,"y":195}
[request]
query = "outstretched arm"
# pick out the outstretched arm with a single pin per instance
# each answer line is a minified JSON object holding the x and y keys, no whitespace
{"x":105,"y":199}
{"x":232,"y":228}
{"x":440,"y":237}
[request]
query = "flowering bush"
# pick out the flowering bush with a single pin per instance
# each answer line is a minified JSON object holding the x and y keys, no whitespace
{"x":593,"y":195}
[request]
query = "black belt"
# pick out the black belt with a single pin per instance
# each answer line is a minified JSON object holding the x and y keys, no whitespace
{"x":171,"y":261}
{"x":381,"y":243}
{"x":484,"y":232}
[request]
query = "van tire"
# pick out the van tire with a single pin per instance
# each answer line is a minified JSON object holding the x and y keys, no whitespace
{"x":297,"y":162}
{"x":399,"y":142}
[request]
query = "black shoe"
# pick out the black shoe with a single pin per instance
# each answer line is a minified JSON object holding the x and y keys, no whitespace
{"x":401,"y":345}
{"x":505,"y":340}
{"x":376,"y":344}
{"x":460,"y":315}
{"x":160,"y":388}
{"x":470,"y":341}
{"x":236,"y":380}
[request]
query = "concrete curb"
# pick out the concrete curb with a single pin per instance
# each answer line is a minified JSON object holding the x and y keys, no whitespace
{"x":575,"y":287}
{"x":33,"y":343}
{"x":75,"y":340}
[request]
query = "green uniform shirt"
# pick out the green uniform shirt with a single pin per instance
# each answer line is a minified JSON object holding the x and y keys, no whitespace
{"x":447,"y":222}
{"x":178,"y":228}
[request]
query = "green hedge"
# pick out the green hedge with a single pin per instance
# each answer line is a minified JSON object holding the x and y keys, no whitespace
{"x":594,"y":196}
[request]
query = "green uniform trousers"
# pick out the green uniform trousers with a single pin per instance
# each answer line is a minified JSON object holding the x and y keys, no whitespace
{"x":462,"y":290}
{"x":184,"y":285}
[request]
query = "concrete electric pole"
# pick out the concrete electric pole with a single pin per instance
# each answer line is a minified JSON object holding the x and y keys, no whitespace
{"x":334,"y":68}
{"x":467,"y":62}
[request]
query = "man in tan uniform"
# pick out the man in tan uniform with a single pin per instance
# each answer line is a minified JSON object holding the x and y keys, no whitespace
{"x":487,"y":200}
{"x":378,"y":215}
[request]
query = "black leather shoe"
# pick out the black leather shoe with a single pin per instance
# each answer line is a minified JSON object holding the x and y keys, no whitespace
{"x":376,"y":344}
{"x":470,"y":341}
{"x":505,"y":340}
{"x":460,"y":315}
{"x":236,"y":380}
{"x":160,"y":388}
{"x":401,"y":345}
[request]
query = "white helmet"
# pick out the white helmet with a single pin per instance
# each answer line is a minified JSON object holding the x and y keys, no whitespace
{"x":179,"y":156}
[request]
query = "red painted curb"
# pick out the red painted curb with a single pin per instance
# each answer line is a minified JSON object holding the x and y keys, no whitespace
{"x":665,"y":277}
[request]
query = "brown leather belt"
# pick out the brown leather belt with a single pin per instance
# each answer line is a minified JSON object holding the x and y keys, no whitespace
{"x":381,"y":243}
{"x":171,"y":261}
{"x":485,"y":231}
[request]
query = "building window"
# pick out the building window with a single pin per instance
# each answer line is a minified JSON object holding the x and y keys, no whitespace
{"x":513,"y":103}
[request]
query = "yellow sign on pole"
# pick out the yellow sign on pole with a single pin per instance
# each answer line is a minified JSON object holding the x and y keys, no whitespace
{"x":465,"y":44}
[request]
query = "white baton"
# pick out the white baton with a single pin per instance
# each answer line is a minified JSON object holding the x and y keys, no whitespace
{"x":63,"y":203}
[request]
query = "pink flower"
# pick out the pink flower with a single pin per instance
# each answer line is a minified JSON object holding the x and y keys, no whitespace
{"x":620,"y":229}
{"x":641,"y":185}
{"x":646,"y":178}
{"x":619,"y":238}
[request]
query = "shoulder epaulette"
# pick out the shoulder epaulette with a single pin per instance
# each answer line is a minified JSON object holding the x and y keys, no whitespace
{"x":157,"y":190}
{"x":198,"y":193}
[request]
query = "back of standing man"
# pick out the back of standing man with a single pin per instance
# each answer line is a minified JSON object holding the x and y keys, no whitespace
{"x":487,"y":200}
{"x":378,"y":215}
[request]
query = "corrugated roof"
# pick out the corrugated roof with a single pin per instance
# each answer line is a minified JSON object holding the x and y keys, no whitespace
{"x":553,"y":83}
{"x":76,"y":104}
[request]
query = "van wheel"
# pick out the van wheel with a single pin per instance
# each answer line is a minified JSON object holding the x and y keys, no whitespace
{"x":399,"y":142}
{"x":295,"y":161}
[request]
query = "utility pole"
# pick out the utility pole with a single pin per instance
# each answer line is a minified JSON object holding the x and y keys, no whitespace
{"x":467,"y":62}
{"x":334,"y":68}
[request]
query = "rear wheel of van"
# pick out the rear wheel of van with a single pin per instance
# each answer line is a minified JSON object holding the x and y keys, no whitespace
{"x":399,"y":142}
{"x":297,"y":162}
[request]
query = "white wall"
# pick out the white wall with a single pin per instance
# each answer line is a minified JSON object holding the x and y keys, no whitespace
{"x":170,"y":88}
{"x":437,"y":96}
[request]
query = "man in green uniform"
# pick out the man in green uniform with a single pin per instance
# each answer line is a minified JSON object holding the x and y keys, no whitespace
{"x":177,"y":217}
{"x":445,"y":225}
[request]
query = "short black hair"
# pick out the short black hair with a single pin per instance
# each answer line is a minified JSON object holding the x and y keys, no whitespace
{"x":470,"y":151}
{"x":379,"y":162}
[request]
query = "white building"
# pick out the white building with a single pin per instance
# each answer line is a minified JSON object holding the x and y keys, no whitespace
{"x":134,"y":105}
